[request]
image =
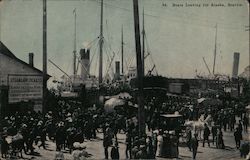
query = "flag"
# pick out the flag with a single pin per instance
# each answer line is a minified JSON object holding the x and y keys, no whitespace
{"x":74,"y":11}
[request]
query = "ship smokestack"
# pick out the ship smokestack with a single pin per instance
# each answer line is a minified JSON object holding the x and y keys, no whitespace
{"x":117,"y":70}
{"x":31,"y":59}
{"x":236,"y":65}
{"x":85,"y":67}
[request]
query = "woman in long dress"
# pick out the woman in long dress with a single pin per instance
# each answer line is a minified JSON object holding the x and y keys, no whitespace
{"x":159,"y":143}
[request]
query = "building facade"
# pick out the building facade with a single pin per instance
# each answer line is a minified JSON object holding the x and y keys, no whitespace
{"x":23,"y":81}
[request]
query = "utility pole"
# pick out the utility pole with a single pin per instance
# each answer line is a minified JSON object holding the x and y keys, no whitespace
{"x":122,"y":51}
{"x":247,"y":30}
{"x":101,"y":45}
{"x":74,"y":52}
{"x":44,"y":55}
{"x":215,"y":49}
{"x":141,"y":111}
{"x":0,"y":19}
{"x":143,"y":45}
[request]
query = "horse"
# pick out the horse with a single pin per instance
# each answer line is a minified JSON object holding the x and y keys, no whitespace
{"x":198,"y":126}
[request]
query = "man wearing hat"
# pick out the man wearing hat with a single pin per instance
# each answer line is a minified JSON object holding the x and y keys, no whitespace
{"x":206,"y":134}
{"x":214,"y":132}
{"x":189,"y":137}
{"x":4,"y":146}
{"x":107,"y":140}
{"x":60,"y":135}
{"x":115,"y":150}
{"x":194,"y":145}
{"x":237,"y":137}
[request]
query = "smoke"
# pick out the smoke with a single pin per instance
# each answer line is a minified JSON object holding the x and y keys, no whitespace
{"x":86,"y":45}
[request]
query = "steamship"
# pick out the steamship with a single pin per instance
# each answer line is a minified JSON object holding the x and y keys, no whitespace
{"x":74,"y":83}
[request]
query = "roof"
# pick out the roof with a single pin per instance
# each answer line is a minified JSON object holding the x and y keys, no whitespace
{"x":5,"y":51}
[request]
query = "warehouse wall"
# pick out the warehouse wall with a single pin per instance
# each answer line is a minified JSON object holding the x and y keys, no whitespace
{"x":12,"y":66}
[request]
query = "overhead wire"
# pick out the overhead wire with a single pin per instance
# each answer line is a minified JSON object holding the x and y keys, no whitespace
{"x":109,"y":60}
{"x":150,"y":55}
{"x":92,"y":56}
{"x":95,"y":66}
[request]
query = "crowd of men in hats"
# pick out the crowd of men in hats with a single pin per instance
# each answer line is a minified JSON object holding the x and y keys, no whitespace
{"x":72,"y":124}
{"x":64,"y":128}
{"x":223,"y":119}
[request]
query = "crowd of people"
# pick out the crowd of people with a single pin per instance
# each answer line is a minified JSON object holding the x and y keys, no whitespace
{"x":33,"y":129}
{"x":228,"y":116}
{"x":71,"y":125}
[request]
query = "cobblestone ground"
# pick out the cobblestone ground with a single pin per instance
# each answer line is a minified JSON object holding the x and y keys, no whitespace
{"x":95,"y":149}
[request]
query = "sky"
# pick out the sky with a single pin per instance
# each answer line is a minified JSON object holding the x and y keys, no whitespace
{"x":177,"y":38}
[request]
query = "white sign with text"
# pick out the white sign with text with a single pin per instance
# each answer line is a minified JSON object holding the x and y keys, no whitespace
{"x":25,"y":88}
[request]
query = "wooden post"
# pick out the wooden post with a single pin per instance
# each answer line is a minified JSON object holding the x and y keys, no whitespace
{"x":44,"y":55}
{"x":101,"y":45}
{"x":143,"y":45}
{"x":122,"y":50}
{"x":74,"y":52}
{"x":215,"y":49}
{"x":141,"y":112}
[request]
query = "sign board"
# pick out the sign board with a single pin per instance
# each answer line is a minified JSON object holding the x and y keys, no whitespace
{"x":25,"y":87}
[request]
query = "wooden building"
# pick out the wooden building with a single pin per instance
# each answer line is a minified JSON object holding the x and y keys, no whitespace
{"x":21,"y":84}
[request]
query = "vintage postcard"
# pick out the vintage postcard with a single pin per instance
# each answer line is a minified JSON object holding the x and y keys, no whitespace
{"x":124,"y":79}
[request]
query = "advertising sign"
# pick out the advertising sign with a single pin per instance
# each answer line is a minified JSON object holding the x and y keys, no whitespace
{"x":25,"y":88}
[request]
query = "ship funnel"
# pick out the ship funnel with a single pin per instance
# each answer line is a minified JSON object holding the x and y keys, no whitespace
{"x":235,"y":65}
{"x":85,"y":63}
{"x":117,"y":70}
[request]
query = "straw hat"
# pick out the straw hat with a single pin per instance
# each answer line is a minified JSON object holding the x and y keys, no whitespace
{"x":78,"y":145}
{"x":24,"y":126}
{"x":143,"y":146}
{"x":61,"y":124}
{"x":68,"y":115}
{"x":40,"y":123}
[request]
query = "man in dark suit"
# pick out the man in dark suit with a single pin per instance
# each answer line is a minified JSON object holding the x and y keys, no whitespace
{"x":206,"y":135}
{"x":194,"y":145}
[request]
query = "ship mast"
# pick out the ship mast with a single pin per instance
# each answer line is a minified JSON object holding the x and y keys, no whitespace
{"x":122,"y":50}
{"x":143,"y":45}
{"x":101,"y":45}
{"x":215,"y":49}
{"x":74,"y":51}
